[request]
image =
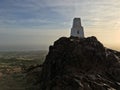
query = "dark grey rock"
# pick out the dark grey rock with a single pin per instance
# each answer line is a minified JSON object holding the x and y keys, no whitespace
{"x":80,"y":64}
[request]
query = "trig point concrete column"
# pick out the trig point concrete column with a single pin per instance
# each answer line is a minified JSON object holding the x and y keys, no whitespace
{"x":77,"y":29}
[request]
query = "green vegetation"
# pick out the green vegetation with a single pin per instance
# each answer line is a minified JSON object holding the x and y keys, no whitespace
{"x":12,"y":65}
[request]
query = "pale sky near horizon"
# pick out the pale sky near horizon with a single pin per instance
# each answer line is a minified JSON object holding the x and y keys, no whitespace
{"x":36,"y":24}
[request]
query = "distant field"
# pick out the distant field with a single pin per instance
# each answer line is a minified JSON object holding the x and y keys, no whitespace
{"x":12,"y":65}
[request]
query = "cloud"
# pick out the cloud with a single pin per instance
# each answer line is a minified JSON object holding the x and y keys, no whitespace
{"x":39,"y":12}
{"x":31,"y":20}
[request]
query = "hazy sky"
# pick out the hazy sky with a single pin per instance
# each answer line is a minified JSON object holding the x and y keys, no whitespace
{"x":35,"y":24}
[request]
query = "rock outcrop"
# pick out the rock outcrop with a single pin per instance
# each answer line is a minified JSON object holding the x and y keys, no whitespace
{"x":80,"y":64}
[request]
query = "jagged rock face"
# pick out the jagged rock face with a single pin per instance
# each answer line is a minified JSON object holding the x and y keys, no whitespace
{"x":80,"y":64}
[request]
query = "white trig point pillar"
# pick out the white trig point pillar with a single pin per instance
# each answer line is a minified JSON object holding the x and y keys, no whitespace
{"x":77,"y":29}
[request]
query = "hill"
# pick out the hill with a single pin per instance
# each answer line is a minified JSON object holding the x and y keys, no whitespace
{"x":78,"y":64}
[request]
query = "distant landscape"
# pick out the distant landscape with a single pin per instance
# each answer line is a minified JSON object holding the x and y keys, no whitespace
{"x":12,"y":67}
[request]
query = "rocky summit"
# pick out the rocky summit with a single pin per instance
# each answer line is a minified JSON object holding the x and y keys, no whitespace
{"x":79,"y":64}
